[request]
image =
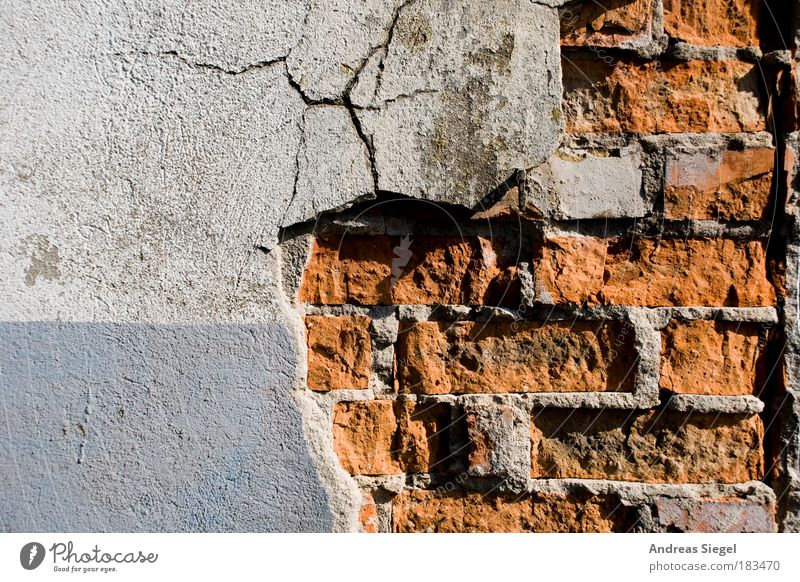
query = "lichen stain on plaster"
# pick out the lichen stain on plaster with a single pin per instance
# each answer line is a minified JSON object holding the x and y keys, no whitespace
{"x":44,"y":259}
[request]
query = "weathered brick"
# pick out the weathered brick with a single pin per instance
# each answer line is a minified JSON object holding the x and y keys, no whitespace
{"x":654,"y":272}
{"x":654,"y":446}
{"x":339,"y":352}
{"x":382,"y":437}
{"x":711,"y":357}
{"x":661,"y":97}
{"x":368,"y":514}
{"x":430,"y":511}
{"x":479,"y":357}
{"x":492,"y":432}
{"x":713,"y":22}
{"x":724,"y":185}
{"x":726,"y":515}
{"x":385,"y":270}
{"x":605,"y":23}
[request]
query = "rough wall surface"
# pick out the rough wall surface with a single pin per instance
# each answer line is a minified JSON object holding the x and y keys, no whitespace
{"x":399,"y":266}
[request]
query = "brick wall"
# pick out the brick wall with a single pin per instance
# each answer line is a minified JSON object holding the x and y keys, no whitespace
{"x":600,"y":345}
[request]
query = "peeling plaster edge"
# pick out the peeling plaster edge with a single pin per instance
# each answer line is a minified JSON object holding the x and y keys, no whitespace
{"x":344,"y":497}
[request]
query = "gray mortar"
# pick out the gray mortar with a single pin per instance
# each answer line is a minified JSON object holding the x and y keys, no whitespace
{"x":647,"y":342}
{"x":702,"y":403}
{"x":682,"y":51}
{"x":743,"y":314}
{"x":507,"y":429}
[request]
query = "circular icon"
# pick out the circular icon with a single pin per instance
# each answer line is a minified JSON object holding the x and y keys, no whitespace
{"x":31,"y":555}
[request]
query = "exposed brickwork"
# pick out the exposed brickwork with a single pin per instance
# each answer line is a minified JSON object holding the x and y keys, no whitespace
{"x":712,"y":357}
{"x":383,"y":437}
{"x":727,"y":185}
{"x":713,"y":22}
{"x":615,"y":366}
{"x":358,"y":269}
{"x":429,"y":511}
{"x":339,"y":352}
{"x":473,"y":357}
{"x":654,"y":447}
{"x":653,"y":272}
{"x":661,"y":97}
{"x":605,"y":22}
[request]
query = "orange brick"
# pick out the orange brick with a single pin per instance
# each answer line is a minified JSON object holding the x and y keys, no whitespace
{"x":339,"y":352}
{"x":386,"y":270}
{"x":727,"y":185}
{"x":713,"y":22}
{"x":711,"y":357}
{"x":454,"y":512}
{"x":605,"y":22}
{"x":368,"y":515}
{"x":654,"y":446}
{"x":651,"y":272}
{"x":656,"y":97}
{"x":479,"y":357}
{"x":382,"y":437}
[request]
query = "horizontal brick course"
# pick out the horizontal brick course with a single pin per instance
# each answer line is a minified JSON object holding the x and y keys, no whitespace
{"x":711,"y":357}
{"x":382,"y":437}
{"x":429,"y":511}
{"x":653,"y":446}
{"x":384,"y":270}
{"x":473,"y":357}
{"x":339,"y":352}
{"x":661,"y":97}
{"x":724,"y":185}
{"x":653,"y":272}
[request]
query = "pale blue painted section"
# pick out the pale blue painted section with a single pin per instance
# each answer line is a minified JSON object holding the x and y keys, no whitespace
{"x":133,"y":427}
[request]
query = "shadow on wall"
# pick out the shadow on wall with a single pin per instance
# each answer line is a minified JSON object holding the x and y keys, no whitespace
{"x":133,"y":427}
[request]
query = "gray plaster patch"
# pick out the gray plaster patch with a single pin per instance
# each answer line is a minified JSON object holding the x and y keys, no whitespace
{"x":129,"y":427}
{"x":466,"y":93}
{"x":576,"y":184}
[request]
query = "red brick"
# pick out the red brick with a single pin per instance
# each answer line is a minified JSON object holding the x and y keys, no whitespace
{"x":726,"y":185}
{"x":661,"y":97}
{"x":605,"y":23}
{"x":653,"y":446}
{"x":479,"y":357}
{"x":368,"y":514}
{"x":339,"y":352}
{"x":711,"y":357}
{"x":654,"y":272}
{"x":430,"y":511}
{"x":427,"y":270}
{"x":713,"y":22}
{"x":382,"y":437}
